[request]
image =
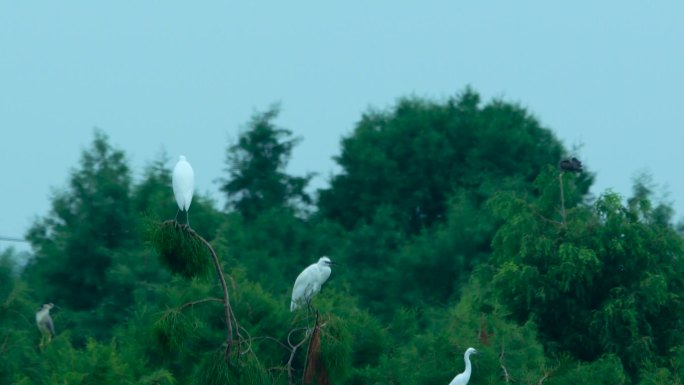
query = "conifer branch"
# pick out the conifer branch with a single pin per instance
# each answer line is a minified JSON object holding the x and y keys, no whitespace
{"x":222,"y":279}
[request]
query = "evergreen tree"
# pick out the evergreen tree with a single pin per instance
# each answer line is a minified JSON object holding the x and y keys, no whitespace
{"x":604,"y":279}
{"x":89,"y":225}
{"x":413,"y":187}
{"x":256,"y":167}
{"x":415,"y":156}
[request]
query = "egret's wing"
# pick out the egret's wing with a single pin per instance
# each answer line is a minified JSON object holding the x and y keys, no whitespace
{"x":49,"y":325}
{"x":297,"y":292}
{"x":46,"y":326}
{"x":302,"y":284}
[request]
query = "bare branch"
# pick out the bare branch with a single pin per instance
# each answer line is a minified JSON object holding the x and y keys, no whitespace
{"x":541,"y":380}
{"x":507,"y":376}
{"x":4,"y":344}
{"x":293,"y":351}
{"x":226,"y":298}
{"x":274,"y":340}
{"x":562,"y":194}
{"x":193,"y":303}
{"x":241,"y":338}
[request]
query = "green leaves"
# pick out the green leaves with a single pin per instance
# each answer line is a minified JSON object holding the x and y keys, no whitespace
{"x":256,"y":166}
{"x":453,"y":228}
{"x":180,"y":249}
{"x":599,"y":281}
{"x":175,"y":331}
{"x":90,"y":223}
{"x":413,"y":156}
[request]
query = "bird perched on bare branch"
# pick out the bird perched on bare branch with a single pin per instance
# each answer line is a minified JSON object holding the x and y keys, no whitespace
{"x":570,"y":165}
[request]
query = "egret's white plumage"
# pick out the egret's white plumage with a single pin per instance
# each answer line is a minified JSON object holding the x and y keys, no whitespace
{"x":44,"y":321}
{"x":463,"y":378}
{"x":309,"y":282}
{"x":183,"y":184}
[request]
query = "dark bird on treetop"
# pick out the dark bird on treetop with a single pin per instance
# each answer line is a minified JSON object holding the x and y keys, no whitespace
{"x":571,"y":165}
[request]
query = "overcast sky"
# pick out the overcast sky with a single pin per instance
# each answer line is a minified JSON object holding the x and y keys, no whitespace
{"x":186,"y":76}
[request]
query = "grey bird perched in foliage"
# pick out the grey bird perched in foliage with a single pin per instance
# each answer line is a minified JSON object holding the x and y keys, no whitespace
{"x":45,"y":325}
{"x":570,"y":165}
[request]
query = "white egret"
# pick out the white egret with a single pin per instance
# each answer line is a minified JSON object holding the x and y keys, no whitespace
{"x":183,"y":186}
{"x":44,"y":322}
{"x":463,"y":378}
{"x":309,"y":282}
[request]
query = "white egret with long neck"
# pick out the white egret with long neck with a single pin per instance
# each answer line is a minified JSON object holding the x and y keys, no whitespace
{"x":463,"y":378}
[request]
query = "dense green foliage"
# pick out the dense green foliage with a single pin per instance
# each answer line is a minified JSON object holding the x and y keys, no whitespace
{"x":453,"y":228}
{"x":256,"y":169}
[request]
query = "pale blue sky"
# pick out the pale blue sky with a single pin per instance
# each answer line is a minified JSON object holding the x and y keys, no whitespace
{"x":185,"y":76}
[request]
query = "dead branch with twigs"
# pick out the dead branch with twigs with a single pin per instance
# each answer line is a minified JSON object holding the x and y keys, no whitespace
{"x":293,"y":351}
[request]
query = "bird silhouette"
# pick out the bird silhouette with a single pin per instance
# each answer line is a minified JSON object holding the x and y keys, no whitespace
{"x":570,"y":165}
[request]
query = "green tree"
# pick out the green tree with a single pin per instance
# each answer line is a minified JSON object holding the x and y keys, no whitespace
{"x":413,"y":157}
{"x":89,"y":225}
{"x":18,"y":333}
{"x":604,"y":280}
{"x":256,"y":167}
{"x":421,"y":173}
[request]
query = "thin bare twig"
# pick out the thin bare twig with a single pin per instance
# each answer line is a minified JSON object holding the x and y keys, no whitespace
{"x":560,"y":179}
{"x":241,"y":338}
{"x":290,"y":334}
{"x":274,"y":340}
{"x":507,"y":376}
{"x":541,"y":380}
{"x":4,"y":344}
{"x":193,"y":303}
{"x":293,"y":351}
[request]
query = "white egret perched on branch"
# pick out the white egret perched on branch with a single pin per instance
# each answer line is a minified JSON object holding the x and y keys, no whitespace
{"x":183,"y":186}
{"x":463,"y":378}
{"x":45,"y":325}
{"x":309,"y":282}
